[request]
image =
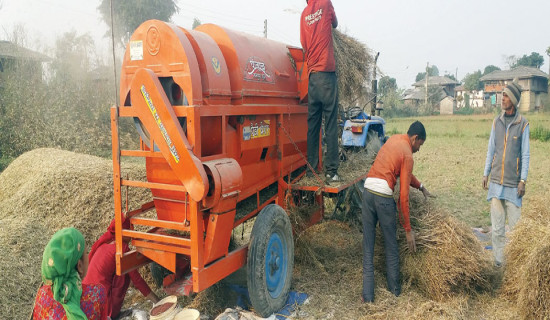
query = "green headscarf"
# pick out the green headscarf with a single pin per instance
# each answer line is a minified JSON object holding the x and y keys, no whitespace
{"x":59,"y":270}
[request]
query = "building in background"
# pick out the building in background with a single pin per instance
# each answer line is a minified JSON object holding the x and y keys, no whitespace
{"x":14,"y":58}
{"x":447,"y":84}
{"x":533,"y":82}
{"x":468,"y":99}
{"x":440,"y":93}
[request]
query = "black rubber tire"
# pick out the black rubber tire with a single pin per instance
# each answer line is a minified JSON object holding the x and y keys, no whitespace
{"x":272,"y":222}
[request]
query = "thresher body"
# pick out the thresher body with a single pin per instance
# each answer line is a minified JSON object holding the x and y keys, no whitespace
{"x":221,"y":122}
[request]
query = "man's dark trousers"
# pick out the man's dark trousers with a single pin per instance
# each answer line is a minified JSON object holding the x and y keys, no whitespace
{"x":323,"y":99}
{"x":381,"y":209}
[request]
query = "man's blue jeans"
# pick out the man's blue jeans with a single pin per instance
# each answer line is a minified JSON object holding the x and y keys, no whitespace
{"x":381,"y":209}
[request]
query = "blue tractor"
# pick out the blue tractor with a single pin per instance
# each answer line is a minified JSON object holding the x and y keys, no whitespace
{"x":364,"y":130}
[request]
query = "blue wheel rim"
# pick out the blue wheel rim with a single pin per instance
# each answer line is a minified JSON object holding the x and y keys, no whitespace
{"x":276,"y":262}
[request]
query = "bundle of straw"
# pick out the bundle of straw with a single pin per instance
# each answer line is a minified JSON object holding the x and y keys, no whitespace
{"x":449,"y":258}
{"x":354,"y":66}
{"x":527,"y":270}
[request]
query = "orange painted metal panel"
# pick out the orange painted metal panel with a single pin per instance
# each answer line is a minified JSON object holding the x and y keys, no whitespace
{"x":158,"y":117}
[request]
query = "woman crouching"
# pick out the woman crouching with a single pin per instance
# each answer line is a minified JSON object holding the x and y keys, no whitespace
{"x":62,"y":295}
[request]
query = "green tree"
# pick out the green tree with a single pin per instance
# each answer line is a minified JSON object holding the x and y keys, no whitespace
{"x":395,"y":107}
{"x":196,"y":23}
{"x":386,"y":84}
{"x":490,"y":68}
{"x":73,"y":55}
{"x":534,"y":60}
{"x":129,"y":14}
{"x":471,"y":81}
{"x":432,"y":72}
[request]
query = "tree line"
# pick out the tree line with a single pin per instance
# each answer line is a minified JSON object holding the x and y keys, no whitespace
{"x":66,"y":105}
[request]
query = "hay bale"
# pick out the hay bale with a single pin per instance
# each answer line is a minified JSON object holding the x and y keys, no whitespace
{"x":41,"y":192}
{"x":527,"y":270}
{"x":449,"y":258}
{"x":534,"y":294}
{"x":518,"y":253}
{"x":354,"y":64}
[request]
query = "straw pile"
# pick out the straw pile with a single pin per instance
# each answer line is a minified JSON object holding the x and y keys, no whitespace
{"x":41,"y":192}
{"x":527,"y":274}
{"x":449,"y":258}
{"x":353,"y":67}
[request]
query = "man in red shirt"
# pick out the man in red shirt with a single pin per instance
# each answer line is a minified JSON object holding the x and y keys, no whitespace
{"x":316,"y":24}
{"x":394,"y":160}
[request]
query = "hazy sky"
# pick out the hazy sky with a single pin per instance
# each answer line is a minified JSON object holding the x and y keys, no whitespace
{"x":464,"y":35}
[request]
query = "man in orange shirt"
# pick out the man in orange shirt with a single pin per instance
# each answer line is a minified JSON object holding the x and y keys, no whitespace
{"x":316,"y":24}
{"x":394,"y":160}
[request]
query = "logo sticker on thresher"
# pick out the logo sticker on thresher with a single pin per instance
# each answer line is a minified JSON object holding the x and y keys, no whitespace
{"x":256,"y":70}
{"x":163,"y":131}
{"x":257,"y":130}
{"x":136,"y":50}
{"x":216,"y":65}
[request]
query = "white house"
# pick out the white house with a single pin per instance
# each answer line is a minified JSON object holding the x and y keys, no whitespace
{"x":465,"y":98}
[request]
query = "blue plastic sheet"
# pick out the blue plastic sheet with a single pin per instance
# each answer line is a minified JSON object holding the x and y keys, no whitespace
{"x":294,"y":299}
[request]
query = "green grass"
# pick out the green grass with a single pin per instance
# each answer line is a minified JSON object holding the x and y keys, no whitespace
{"x":540,"y":133}
{"x":451,"y":161}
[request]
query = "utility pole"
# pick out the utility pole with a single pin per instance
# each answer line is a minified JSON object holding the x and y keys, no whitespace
{"x":456,"y":74}
{"x":427,"y":75}
{"x":374,"y":87}
{"x":265,"y":28}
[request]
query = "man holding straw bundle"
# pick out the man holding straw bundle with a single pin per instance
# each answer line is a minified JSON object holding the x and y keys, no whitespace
{"x":394,"y":160}
{"x":508,"y":163}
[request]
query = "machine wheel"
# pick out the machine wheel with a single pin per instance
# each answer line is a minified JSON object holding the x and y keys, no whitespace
{"x":270,"y":260}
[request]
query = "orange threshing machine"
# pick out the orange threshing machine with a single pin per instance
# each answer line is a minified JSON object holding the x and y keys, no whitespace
{"x":223,"y":133}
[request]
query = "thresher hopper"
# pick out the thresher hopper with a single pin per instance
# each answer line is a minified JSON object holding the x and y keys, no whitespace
{"x":223,"y":133}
